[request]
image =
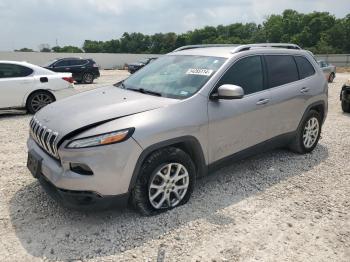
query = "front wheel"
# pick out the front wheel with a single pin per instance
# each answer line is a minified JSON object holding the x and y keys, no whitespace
{"x":308,"y":133}
{"x":166,"y":181}
{"x":38,"y":100}
{"x":331,"y":78}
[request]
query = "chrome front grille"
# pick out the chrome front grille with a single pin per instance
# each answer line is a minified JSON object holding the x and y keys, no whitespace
{"x":45,"y":137}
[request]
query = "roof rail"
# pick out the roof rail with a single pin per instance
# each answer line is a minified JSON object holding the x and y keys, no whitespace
{"x":240,"y":48}
{"x":273,"y":45}
{"x":186,"y":47}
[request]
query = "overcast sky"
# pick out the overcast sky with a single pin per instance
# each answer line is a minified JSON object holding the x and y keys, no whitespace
{"x":29,"y":23}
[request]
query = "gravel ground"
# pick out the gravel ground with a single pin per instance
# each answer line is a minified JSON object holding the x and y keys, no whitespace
{"x":277,"y":206}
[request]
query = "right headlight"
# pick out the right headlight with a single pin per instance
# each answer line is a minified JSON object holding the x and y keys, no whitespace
{"x":102,"y":139}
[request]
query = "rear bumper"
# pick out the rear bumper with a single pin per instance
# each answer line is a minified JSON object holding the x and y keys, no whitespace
{"x":82,"y":200}
{"x":97,"y":74}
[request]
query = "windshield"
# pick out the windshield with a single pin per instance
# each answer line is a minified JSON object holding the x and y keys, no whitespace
{"x":175,"y":76}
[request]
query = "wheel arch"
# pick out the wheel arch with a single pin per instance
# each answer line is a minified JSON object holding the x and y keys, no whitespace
{"x":188,"y":144}
{"x":25,"y":100}
{"x":319,"y":106}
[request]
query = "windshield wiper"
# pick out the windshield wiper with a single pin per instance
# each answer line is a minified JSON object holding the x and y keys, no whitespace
{"x":144,"y":91}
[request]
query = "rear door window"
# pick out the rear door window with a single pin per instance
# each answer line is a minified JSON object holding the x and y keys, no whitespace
{"x":12,"y":70}
{"x":281,"y":69}
{"x":304,"y":66}
{"x":78,"y":62}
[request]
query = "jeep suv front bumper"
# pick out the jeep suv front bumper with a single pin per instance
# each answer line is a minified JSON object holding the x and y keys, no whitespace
{"x":112,"y":169}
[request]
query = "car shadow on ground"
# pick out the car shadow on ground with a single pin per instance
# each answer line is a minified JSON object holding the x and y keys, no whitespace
{"x":12,"y":113}
{"x":46,"y":230}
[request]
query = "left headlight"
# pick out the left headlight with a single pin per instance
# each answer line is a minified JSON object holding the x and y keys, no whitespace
{"x":102,"y":139}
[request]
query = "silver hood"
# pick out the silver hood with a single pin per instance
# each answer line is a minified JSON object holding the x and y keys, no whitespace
{"x":96,"y":106}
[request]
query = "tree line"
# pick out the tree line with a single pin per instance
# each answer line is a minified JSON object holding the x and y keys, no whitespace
{"x":319,"y":32}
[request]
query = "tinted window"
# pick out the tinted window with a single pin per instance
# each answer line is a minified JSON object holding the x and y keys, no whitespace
{"x":11,"y":70}
{"x":78,"y":62}
{"x":62,"y":63}
{"x":281,"y":69}
{"x":304,"y":67}
{"x":246,"y":73}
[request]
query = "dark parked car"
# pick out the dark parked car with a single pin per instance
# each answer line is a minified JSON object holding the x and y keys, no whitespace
{"x":328,"y":70}
{"x":345,"y":97}
{"x":132,"y":68}
{"x":83,"y":70}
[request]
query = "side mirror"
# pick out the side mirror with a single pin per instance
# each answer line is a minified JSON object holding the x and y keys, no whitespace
{"x":228,"y":92}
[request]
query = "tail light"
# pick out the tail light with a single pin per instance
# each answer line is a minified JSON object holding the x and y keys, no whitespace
{"x":68,"y":79}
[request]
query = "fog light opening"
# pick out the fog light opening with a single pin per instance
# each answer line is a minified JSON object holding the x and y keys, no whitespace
{"x":81,"y":169}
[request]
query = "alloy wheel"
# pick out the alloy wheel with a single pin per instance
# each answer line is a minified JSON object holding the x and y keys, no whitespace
{"x":311,"y":131}
{"x":88,"y":78}
{"x":168,"y":186}
{"x":40,"y":100}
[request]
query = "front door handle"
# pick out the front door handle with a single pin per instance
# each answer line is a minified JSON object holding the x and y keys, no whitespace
{"x":304,"y":90}
{"x":263,"y":101}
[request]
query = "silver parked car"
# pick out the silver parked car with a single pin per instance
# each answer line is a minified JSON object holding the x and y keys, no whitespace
{"x":147,"y":139}
{"x":329,"y":70}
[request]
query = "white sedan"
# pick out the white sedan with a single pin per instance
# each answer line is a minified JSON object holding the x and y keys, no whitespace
{"x":24,"y":85}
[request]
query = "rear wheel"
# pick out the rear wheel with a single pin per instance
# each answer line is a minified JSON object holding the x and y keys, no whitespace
{"x":38,"y":100}
{"x":308,"y":133}
{"x":166,"y":180}
{"x":345,"y":106}
{"x":88,"y":78}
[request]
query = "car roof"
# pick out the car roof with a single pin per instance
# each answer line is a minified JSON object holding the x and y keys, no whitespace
{"x":12,"y":62}
{"x":70,"y":58}
{"x":36,"y":68}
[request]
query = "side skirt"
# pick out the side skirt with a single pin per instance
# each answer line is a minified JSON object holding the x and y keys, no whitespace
{"x":276,"y":142}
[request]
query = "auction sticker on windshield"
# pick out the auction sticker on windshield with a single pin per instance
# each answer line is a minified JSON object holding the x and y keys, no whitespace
{"x":199,"y":71}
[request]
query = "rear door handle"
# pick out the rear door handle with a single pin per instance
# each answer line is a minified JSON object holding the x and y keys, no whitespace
{"x":263,"y":101}
{"x":304,"y":90}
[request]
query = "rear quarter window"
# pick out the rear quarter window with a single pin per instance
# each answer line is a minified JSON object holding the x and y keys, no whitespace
{"x":282,"y":70}
{"x":304,"y":66}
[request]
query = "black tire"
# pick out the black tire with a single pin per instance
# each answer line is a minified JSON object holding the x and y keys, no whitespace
{"x":140,"y":193}
{"x":88,"y":78}
{"x":331,"y":78}
{"x":38,"y":100}
{"x":298,"y":144}
{"x":345,"y":106}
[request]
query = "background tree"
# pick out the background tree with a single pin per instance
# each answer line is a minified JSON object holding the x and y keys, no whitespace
{"x":319,"y":32}
{"x":25,"y":49}
{"x":44,"y":48}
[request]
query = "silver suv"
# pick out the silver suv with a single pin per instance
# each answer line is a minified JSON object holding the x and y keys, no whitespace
{"x":147,"y":139}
